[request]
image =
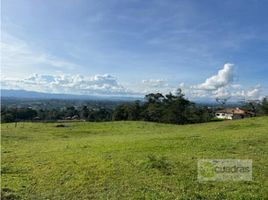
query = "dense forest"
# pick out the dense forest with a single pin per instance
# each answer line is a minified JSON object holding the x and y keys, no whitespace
{"x":156,"y":107}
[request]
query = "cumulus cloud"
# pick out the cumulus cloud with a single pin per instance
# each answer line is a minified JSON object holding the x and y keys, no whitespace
{"x":226,"y":92}
{"x":221,"y":79}
{"x":221,"y":85}
{"x":69,"y":84}
{"x":248,"y":94}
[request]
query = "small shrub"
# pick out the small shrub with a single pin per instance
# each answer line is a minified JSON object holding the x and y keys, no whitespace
{"x":60,"y":125}
{"x":8,"y":194}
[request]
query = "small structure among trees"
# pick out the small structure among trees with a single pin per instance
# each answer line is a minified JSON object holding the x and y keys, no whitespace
{"x":233,"y":113}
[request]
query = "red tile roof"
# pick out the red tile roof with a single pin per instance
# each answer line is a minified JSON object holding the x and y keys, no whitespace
{"x":233,"y":111}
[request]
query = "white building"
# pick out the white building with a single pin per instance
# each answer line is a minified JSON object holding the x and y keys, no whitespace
{"x":233,"y":113}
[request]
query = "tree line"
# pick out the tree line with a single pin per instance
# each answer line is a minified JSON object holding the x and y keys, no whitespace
{"x":54,"y":114}
{"x":175,"y":109}
{"x":169,"y":108}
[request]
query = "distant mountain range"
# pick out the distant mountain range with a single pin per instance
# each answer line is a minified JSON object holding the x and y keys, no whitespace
{"x":24,"y":94}
{"x":41,"y":95}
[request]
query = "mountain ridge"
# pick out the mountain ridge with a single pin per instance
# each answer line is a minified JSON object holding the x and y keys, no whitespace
{"x":26,"y":94}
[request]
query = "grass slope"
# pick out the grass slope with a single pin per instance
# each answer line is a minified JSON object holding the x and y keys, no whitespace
{"x":129,"y":160}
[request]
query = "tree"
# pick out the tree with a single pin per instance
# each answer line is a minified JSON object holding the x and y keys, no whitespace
{"x":84,"y":112}
{"x":130,"y":111}
{"x":121,"y":112}
{"x":100,"y":114}
{"x":154,"y":98}
{"x":7,"y":117}
{"x":264,"y":106}
{"x":71,"y":111}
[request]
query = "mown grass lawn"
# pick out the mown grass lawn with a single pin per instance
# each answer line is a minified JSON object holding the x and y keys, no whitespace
{"x":129,"y":160}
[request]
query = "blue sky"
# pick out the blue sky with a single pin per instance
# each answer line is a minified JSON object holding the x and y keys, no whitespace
{"x":133,"y":47}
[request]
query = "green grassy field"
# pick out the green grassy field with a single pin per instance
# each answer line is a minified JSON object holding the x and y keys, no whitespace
{"x":129,"y":160}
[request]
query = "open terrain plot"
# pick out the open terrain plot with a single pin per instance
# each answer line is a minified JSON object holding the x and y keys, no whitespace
{"x":129,"y":160}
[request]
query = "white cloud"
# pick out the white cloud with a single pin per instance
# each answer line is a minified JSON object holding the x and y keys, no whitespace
{"x":227,"y":92}
{"x":223,"y":78}
{"x":75,"y":84}
{"x":18,"y":57}
{"x":182,"y":85}
{"x":221,"y":86}
{"x":248,"y":94}
{"x":254,"y":93}
{"x":221,"y":93}
{"x":156,"y":85}
{"x":236,"y":86}
{"x":191,"y":93}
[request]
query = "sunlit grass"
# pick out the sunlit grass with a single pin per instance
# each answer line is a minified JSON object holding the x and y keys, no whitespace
{"x":129,"y":160}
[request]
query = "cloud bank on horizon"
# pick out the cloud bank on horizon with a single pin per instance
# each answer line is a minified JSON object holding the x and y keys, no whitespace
{"x":219,"y":85}
{"x":68,"y":84}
